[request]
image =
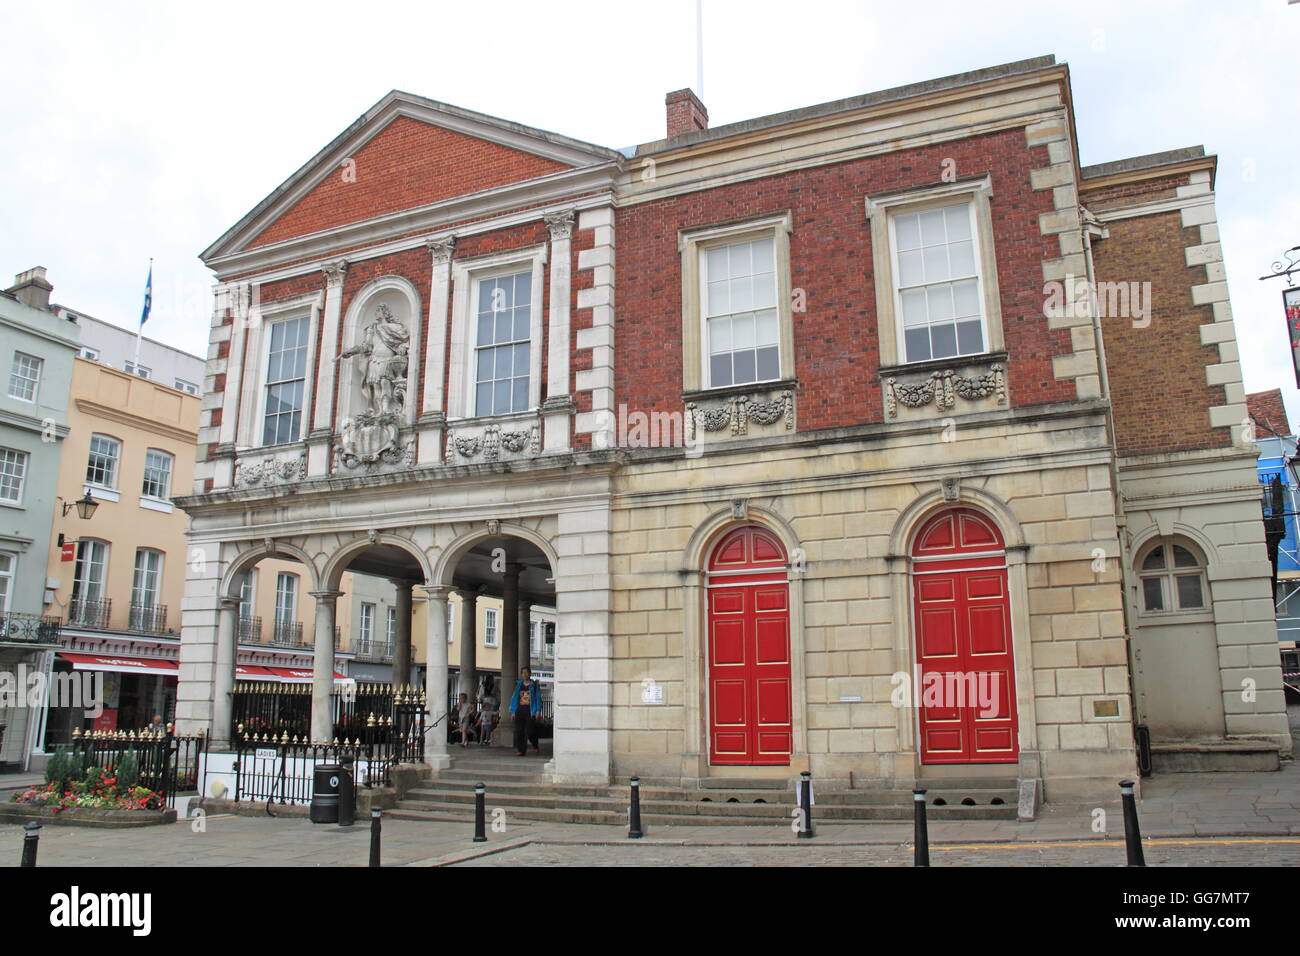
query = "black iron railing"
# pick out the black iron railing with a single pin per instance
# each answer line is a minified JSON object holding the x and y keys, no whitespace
{"x":149,"y":617}
{"x":250,"y":630}
{"x":288,"y":633}
{"x":88,"y":613}
{"x":29,"y":628}
{"x":279,"y":770}
{"x":167,"y":764}
{"x":374,"y":650}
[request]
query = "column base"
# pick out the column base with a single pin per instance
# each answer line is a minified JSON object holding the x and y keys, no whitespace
{"x":437,"y":761}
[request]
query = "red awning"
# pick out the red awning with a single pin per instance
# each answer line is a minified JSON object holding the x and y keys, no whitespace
{"x":121,"y":665}
{"x":253,"y":672}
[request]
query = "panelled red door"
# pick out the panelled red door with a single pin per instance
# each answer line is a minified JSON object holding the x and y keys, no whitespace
{"x":749,"y":651}
{"x":967,"y":690}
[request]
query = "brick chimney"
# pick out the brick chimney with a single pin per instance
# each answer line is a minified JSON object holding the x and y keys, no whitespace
{"x":32,"y":288}
{"x":686,"y":113}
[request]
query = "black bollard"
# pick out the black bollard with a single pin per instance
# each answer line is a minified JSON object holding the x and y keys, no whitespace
{"x":347,"y":793}
{"x":805,"y":806}
{"x":921,"y":836}
{"x":375,"y":828}
{"x":480,"y":810}
{"x":1132,"y":835}
{"x":31,"y":837}
{"x":634,"y":812}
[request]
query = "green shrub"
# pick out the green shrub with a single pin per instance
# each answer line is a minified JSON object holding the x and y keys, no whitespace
{"x":56,"y":768}
{"x":76,"y":769}
{"x":128,"y":771}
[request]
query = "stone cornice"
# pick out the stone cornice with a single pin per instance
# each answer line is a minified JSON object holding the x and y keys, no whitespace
{"x":30,"y":423}
{"x":487,"y":209}
{"x":137,"y":421}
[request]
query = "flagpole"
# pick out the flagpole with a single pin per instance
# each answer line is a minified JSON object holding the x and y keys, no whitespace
{"x":139,"y":330}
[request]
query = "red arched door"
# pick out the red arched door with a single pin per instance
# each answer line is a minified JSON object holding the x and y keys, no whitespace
{"x":966,"y":693}
{"x":749,"y":651}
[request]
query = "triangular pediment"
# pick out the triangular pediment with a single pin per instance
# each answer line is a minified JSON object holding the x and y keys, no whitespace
{"x":404,"y":153}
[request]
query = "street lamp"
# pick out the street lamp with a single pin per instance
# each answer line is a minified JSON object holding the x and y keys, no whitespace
{"x":85,"y":506}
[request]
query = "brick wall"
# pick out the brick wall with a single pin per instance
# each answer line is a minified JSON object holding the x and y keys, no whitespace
{"x":835,"y":341}
{"x":411,"y":163}
{"x":1157,"y":373}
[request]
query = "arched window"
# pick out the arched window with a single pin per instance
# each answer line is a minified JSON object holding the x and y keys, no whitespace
{"x":1171,"y":578}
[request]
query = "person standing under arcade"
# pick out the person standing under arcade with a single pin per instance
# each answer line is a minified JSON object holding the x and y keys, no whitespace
{"x":525,"y":705}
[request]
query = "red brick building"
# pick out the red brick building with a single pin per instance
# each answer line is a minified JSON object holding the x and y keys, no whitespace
{"x":877,"y":438}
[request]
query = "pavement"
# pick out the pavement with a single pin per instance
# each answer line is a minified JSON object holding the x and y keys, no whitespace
{"x":1186,"y":819}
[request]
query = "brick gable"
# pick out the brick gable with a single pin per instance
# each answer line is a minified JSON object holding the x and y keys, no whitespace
{"x":410,"y":163}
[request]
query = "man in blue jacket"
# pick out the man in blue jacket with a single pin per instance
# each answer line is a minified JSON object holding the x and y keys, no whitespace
{"x":526,"y":705}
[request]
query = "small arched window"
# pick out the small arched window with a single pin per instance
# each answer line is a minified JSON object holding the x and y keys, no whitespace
{"x":1171,"y":578}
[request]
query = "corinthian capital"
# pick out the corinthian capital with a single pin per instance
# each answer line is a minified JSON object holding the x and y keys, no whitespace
{"x":560,"y":224}
{"x":441,"y":249}
{"x":334,"y":272}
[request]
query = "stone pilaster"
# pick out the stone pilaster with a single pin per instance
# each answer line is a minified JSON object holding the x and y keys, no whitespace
{"x":322,"y":683}
{"x":432,"y":421}
{"x":435,"y":686}
{"x":557,"y":411}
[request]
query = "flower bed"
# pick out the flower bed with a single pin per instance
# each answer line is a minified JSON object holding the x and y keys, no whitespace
{"x":84,"y":795}
{"x":95,"y":796}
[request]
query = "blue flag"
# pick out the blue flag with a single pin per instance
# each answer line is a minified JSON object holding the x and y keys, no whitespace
{"x":148,"y":298}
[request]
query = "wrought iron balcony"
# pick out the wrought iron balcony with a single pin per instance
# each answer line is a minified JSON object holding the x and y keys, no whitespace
{"x":250,"y":630}
{"x":288,"y":633}
{"x":29,"y":628}
{"x":374,"y":650}
{"x":149,"y":617}
{"x":87,"y":613}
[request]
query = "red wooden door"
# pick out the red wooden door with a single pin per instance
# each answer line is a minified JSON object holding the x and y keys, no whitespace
{"x":966,"y":693}
{"x":749,"y":651}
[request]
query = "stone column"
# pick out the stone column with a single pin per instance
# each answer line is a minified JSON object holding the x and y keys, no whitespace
{"x":468,"y":642}
{"x":402,"y":640}
{"x":322,"y":683}
{"x":525,"y":634}
{"x":223,"y":680}
{"x":435,"y":686}
{"x":509,"y":638}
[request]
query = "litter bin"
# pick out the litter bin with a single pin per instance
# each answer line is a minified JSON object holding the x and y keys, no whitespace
{"x":325,"y":793}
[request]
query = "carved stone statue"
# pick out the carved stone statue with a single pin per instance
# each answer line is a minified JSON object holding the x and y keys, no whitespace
{"x":384,"y":356}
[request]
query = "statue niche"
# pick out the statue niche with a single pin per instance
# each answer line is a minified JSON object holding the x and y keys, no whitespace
{"x":382,"y":356}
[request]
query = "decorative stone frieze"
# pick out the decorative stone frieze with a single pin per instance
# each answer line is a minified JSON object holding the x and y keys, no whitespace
{"x":941,"y":387}
{"x":270,"y":470}
{"x":495,"y":442}
{"x":736,"y":413}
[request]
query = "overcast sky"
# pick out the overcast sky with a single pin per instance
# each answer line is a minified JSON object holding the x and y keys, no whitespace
{"x":138,"y":130}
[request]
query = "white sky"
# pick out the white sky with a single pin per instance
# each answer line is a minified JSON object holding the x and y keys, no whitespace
{"x":146,"y":129}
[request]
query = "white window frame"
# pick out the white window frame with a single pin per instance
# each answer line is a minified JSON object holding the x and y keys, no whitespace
{"x":304,"y":410}
{"x":366,"y":624}
{"x":21,"y":458}
{"x":79,"y":583}
{"x":490,"y":638}
{"x":881,"y":209}
{"x":138,"y":571}
{"x":392,"y":626}
{"x":281,"y":579}
{"x":35,"y":382}
{"x":131,"y":368}
{"x":171,"y":467}
{"x":248,"y":585}
{"x":693,"y":245}
{"x":252,"y":387}
{"x":117,"y":465}
{"x":462,"y":378}
{"x":1168,"y":588}
{"x":91,"y":355}
{"x":8,"y":574}
{"x":188,"y":387}
{"x":451,"y":620}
